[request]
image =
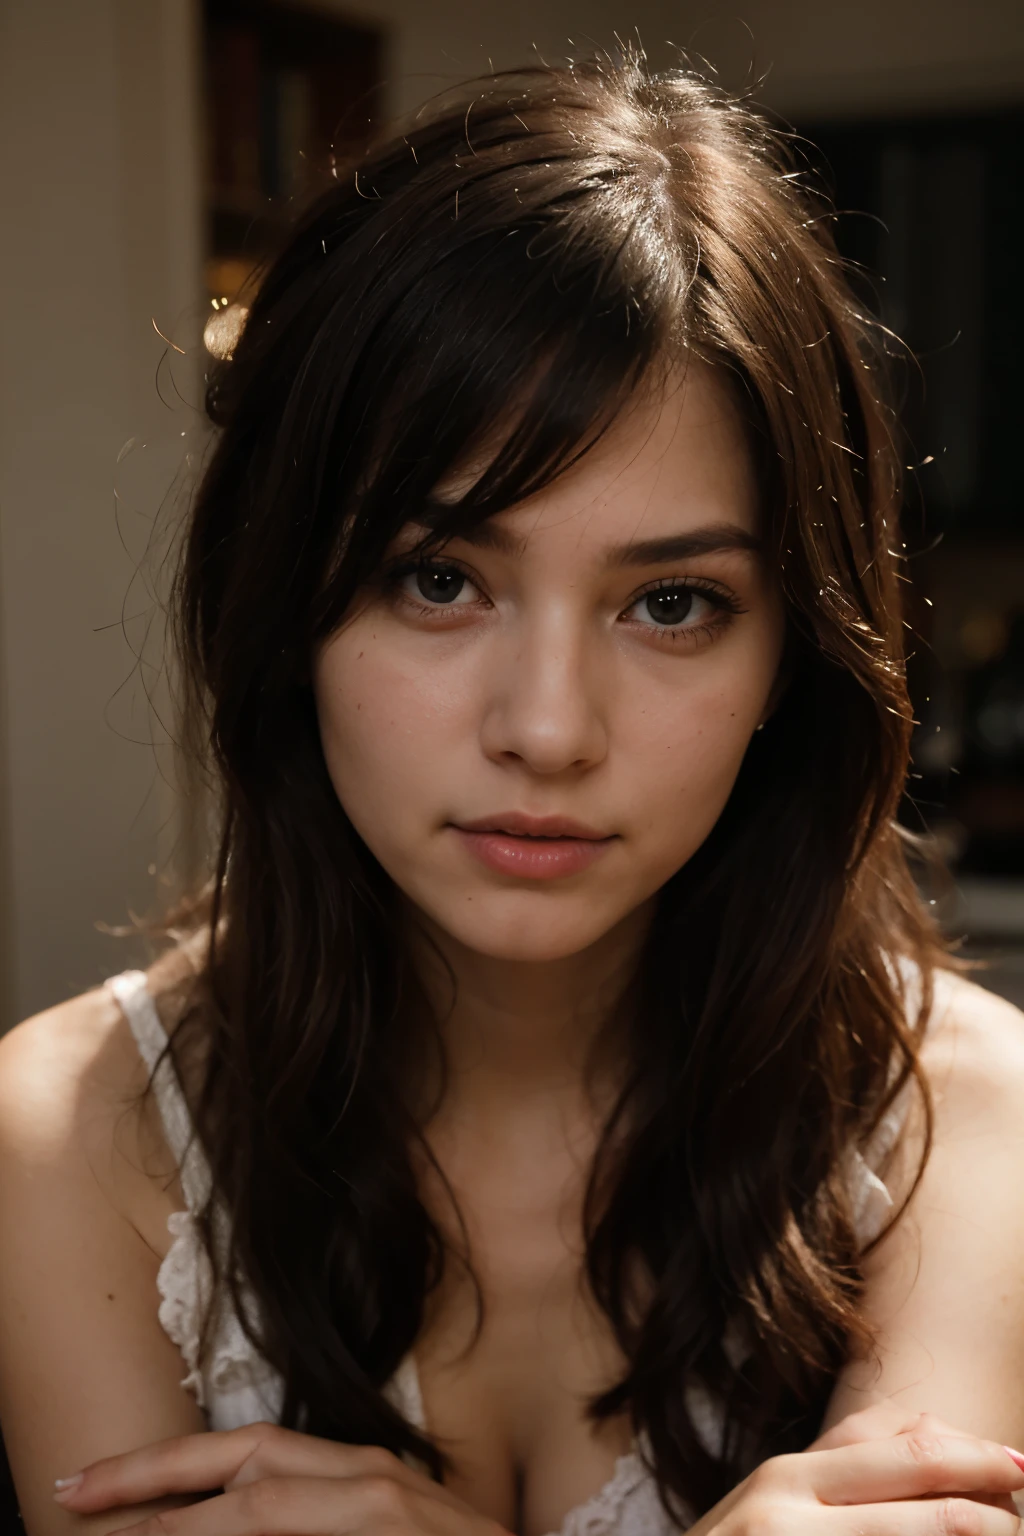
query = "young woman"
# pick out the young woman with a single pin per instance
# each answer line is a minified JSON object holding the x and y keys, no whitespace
{"x":568,"y":1113}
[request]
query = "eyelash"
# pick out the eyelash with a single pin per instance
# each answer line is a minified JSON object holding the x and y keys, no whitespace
{"x":720,"y":597}
{"x":725,"y":603}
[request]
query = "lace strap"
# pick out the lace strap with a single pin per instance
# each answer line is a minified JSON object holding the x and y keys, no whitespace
{"x":140,"y":1010}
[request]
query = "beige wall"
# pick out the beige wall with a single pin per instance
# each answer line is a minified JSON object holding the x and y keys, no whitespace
{"x":828,"y":57}
{"x":837,"y":58}
{"x":98,"y":167}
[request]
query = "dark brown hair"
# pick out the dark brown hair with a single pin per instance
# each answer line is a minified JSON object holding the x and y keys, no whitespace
{"x":555,"y":237}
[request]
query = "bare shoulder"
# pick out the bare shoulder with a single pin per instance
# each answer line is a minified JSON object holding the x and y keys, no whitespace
{"x":73,"y":1101}
{"x":87,"y":1183}
{"x":944,"y":1288}
{"x":77,"y":1131}
{"x":974,"y":1055}
{"x":944,"y":1293}
{"x":61,"y":1069}
{"x":80,"y":1057}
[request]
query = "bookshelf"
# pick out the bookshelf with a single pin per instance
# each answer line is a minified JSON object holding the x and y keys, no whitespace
{"x":934,"y":221}
{"x":285,"y":88}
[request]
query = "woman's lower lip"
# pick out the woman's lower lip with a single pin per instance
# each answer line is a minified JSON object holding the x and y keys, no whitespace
{"x":533,"y":858}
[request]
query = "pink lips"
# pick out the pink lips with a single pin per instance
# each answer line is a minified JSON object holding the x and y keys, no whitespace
{"x":533,"y":847}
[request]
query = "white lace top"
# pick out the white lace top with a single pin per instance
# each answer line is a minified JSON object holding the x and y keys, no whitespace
{"x":234,"y":1385}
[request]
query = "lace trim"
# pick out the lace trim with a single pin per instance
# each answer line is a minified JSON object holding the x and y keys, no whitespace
{"x":180,"y":1283}
{"x":601,"y":1513}
{"x":185,"y":1282}
{"x":627,"y":1505}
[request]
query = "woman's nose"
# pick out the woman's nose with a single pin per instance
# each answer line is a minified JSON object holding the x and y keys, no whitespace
{"x":544,"y":701}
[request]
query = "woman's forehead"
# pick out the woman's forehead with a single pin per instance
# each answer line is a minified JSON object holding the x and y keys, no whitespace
{"x":675,"y":463}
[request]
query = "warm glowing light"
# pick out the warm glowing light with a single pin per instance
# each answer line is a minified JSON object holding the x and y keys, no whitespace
{"x":222,"y":330}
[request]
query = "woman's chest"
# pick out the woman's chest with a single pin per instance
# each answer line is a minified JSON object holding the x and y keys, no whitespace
{"x":506,"y":1390}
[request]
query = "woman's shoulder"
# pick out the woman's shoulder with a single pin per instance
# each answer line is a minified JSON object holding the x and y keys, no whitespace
{"x":973,"y":1052}
{"x":943,"y":1293}
{"x":73,"y":1096}
{"x":972,"y":1059}
{"x":83,"y":1234}
{"x":64,"y":1067}
{"x":87,"y":1044}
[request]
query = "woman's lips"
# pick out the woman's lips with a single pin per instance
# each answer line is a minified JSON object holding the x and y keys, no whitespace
{"x":532,"y":857}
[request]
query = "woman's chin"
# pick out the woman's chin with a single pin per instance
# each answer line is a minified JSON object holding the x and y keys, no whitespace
{"x":530,"y":938}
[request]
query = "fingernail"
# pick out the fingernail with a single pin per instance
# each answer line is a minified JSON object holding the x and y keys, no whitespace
{"x":66,"y":1486}
{"x":1015,"y":1456}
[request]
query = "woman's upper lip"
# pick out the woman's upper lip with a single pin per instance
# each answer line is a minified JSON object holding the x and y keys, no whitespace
{"x":521,"y":825}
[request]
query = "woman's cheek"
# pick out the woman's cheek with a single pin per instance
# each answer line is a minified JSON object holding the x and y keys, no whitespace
{"x":691,"y":751}
{"x":386,"y":726}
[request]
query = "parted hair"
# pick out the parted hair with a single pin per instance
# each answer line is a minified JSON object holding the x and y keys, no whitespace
{"x":556,"y":237}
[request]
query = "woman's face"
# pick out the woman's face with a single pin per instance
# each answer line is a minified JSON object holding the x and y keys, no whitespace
{"x":535,"y":730}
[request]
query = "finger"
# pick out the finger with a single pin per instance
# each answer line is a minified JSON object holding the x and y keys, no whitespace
{"x":878,"y":1422}
{"x":998,"y":1501}
{"x":282,"y":1506}
{"x":910,"y":1466}
{"x":287,"y":1453}
{"x":924,"y":1517}
{"x":198,"y":1463}
{"x":874,"y":1423}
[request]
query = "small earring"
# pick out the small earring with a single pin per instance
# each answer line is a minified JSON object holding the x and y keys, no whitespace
{"x":761,"y":726}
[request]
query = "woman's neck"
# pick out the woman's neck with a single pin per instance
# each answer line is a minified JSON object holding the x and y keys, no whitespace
{"x":513,"y":1030}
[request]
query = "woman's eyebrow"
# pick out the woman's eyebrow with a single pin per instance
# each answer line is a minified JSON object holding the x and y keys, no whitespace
{"x":684,"y":546}
{"x":674,"y":546}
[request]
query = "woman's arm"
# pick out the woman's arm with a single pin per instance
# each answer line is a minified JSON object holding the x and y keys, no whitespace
{"x":85,"y":1368}
{"x":913,"y":1479}
{"x":946,"y":1286}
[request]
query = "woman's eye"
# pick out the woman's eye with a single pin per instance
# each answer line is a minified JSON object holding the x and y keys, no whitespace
{"x":672,"y":605}
{"x":438,"y":585}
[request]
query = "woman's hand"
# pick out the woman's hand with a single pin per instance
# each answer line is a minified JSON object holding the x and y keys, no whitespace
{"x":276,"y":1482}
{"x":878,"y":1421}
{"x":879,"y":1472}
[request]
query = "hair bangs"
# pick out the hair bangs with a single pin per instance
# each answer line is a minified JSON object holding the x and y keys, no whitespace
{"x":494,"y":372}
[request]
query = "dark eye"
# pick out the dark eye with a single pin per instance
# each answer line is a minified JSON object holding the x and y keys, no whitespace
{"x":668,"y":605}
{"x":439,"y":583}
{"x":676,"y":606}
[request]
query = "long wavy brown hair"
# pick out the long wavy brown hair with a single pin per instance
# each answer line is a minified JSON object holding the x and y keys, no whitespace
{"x":554,"y":237}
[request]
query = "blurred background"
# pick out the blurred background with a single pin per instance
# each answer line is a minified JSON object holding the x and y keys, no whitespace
{"x":151,"y":151}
